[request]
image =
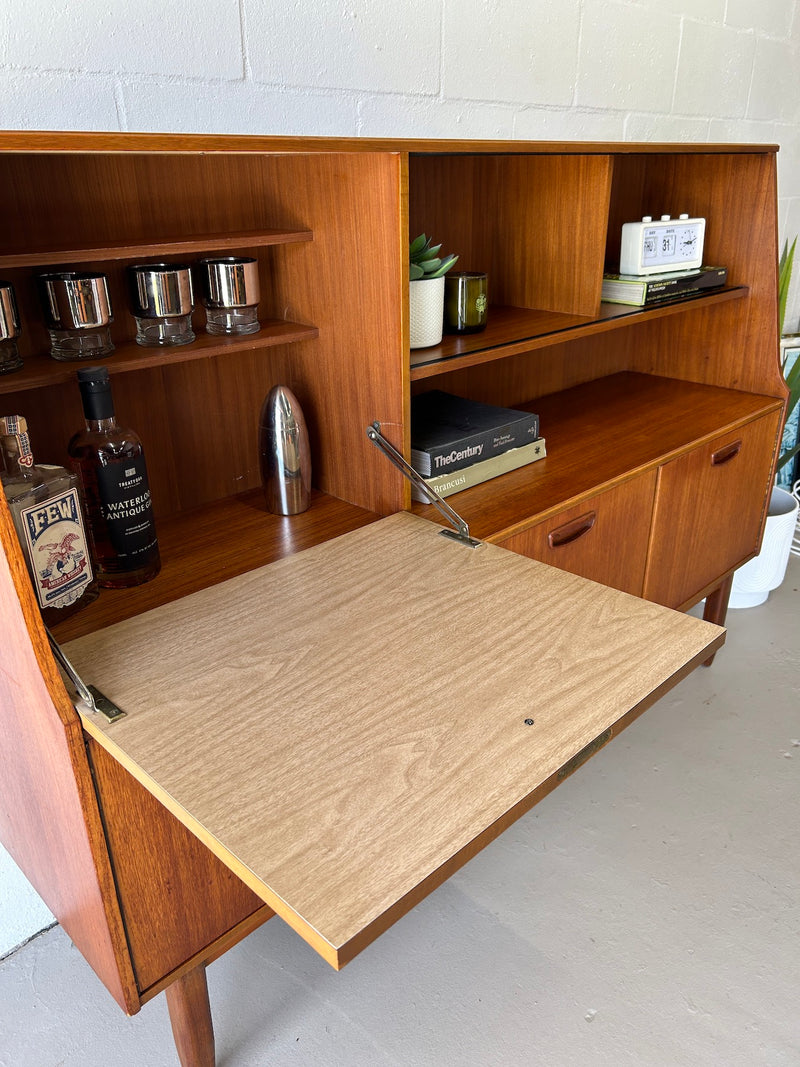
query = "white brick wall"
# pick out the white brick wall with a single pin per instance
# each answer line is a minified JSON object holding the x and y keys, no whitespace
{"x":666,"y":70}
{"x":519,"y":51}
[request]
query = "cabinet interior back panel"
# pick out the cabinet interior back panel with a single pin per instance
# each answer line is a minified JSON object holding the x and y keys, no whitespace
{"x":535,"y":223}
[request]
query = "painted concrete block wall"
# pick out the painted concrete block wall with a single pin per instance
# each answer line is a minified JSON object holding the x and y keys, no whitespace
{"x":636,"y":70}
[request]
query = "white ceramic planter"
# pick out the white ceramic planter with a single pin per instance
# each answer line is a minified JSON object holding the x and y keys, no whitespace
{"x":753,"y":582}
{"x":426,"y":311}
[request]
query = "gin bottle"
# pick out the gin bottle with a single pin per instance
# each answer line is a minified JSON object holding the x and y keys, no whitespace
{"x":110,"y":464}
{"x":47,"y":514}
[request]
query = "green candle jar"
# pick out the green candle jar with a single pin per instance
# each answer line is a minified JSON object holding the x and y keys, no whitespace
{"x":466,"y":301}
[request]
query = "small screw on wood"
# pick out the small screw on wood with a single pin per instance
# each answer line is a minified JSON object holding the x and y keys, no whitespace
{"x":529,"y":722}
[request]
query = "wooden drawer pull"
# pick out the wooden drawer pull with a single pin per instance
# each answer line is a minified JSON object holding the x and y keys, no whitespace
{"x":571,"y":531}
{"x":726,"y":453}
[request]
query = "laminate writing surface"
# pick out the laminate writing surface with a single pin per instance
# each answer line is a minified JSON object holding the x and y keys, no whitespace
{"x":348,"y":725}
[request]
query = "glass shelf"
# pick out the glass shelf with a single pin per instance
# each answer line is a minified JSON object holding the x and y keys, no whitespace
{"x":512,"y":330}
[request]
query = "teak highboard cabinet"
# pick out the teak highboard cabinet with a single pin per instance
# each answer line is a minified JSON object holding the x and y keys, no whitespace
{"x":661,"y":427}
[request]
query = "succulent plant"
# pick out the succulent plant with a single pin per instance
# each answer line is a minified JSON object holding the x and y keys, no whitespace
{"x":425,"y":261}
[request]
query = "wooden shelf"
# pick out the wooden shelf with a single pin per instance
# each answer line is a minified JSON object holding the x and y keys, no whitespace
{"x":512,"y":330}
{"x":208,"y":545}
{"x":41,"y":370}
{"x":209,"y":243}
{"x":597,"y":434}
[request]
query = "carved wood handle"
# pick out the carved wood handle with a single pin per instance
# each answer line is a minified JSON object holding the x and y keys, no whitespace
{"x":571,"y":531}
{"x":726,"y":453}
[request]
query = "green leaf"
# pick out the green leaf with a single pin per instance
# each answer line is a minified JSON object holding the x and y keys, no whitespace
{"x":444,"y":267}
{"x":788,"y":455}
{"x":425,"y":255}
{"x":418,"y":244}
{"x":784,"y":278}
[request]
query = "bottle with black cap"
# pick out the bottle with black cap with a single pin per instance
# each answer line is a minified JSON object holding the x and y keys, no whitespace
{"x":110,"y":464}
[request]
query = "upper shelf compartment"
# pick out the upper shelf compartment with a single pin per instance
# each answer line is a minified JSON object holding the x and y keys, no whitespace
{"x":535,"y":223}
{"x":41,"y":370}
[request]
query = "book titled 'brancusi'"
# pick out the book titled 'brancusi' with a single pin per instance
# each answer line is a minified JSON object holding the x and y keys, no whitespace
{"x":449,"y":432}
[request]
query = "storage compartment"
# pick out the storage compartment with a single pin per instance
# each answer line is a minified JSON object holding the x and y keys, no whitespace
{"x":709,"y":509}
{"x":603,"y":538}
{"x":306,"y":217}
{"x":600,"y":432}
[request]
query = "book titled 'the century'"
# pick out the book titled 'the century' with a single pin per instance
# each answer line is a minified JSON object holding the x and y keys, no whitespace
{"x":449,"y":432}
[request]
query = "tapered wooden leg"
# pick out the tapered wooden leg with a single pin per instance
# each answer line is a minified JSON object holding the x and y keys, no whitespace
{"x":190,"y":1015}
{"x":717,"y":608}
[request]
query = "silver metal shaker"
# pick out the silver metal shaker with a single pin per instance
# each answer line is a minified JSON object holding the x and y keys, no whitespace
{"x":284,"y":453}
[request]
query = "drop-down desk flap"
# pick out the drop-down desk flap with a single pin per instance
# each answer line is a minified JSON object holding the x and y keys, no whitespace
{"x":345,"y":727}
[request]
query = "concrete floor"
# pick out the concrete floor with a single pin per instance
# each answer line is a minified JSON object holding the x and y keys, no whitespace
{"x":646,"y":913}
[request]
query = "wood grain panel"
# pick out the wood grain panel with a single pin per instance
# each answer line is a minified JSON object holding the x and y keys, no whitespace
{"x":538,"y":371}
{"x":207,"y":545}
{"x":604,"y":538}
{"x":549,"y":230}
{"x":343,"y":743}
{"x":32,"y":142}
{"x":176,"y":896}
{"x":49,"y":820}
{"x":536,"y":224}
{"x":709,"y":511}
{"x":446,"y":202}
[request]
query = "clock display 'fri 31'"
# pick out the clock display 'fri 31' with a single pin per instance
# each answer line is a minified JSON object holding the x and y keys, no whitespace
{"x":657,"y":246}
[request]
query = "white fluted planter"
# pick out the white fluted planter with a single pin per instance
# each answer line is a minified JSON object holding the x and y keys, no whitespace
{"x":426,"y":311}
{"x":753,"y":582}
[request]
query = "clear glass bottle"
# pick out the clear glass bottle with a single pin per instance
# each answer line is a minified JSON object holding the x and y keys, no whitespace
{"x":110,"y":464}
{"x":46,"y":509}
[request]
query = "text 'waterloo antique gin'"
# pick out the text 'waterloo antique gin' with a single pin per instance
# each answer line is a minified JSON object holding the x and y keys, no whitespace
{"x":109,"y":461}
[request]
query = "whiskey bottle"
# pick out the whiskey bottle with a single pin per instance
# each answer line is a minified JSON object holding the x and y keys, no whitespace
{"x":47,"y":514}
{"x":110,"y":464}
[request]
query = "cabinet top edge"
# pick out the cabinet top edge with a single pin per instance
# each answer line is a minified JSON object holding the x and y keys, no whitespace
{"x":57,"y":141}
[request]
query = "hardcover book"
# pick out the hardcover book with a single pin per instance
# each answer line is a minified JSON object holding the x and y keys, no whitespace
{"x":631,"y":289}
{"x":449,"y":432}
{"x":446,"y":484}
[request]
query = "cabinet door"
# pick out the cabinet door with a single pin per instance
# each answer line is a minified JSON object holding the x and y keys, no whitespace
{"x":603,"y":538}
{"x":709,"y":507}
{"x":177,"y":898}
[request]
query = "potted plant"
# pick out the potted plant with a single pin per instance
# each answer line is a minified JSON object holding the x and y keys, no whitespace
{"x":790,"y":373}
{"x":753,"y":582}
{"x":426,"y":291}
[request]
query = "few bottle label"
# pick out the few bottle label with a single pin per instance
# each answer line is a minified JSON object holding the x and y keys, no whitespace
{"x":56,"y":544}
{"x":127,"y":509}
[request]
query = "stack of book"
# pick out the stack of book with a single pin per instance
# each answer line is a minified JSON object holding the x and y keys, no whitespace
{"x":657,"y":288}
{"x":457,"y":443}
